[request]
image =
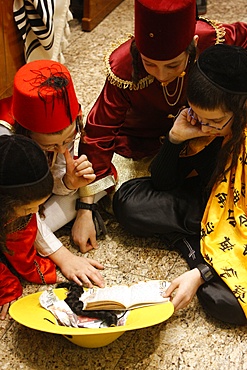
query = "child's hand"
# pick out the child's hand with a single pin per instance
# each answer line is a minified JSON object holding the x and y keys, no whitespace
{"x":185,"y":128}
{"x":83,"y":231}
{"x":186,"y":285}
{"x":81,"y":270}
{"x":79,"y":172}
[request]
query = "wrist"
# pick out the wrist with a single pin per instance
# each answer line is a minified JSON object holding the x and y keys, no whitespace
{"x":205,"y":271}
{"x":86,"y":206}
{"x":93,"y":208}
{"x":67,"y":183}
{"x":89,"y":199}
{"x":174,"y":139}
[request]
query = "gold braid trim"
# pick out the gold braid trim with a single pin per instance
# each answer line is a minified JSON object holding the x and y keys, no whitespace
{"x":19,"y":224}
{"x":146,"y":81}
{"x":219,"y":29}
{"x":115,"y":80}
{"x":97,"y":186}
{"x":42,"y":278}
{"x":13,"y":226}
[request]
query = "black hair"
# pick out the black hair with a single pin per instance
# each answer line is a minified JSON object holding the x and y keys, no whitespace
{"x":72,"y":300}
{"x":24,"y":178}
{"x":205,"y":95}
{"x":137,"y":64}
{"x":11,"y":198}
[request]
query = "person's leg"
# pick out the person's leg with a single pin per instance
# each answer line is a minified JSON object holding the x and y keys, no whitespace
{"x":215,"y":296}
{"x":219,"y":301}
{"x":144,"y":211}
{"x":189,"y":247}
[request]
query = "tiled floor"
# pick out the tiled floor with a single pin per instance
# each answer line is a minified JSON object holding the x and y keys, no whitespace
{"x":189,"y":339}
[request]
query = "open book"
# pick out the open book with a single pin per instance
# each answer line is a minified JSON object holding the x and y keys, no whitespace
{"x":125,"y":297}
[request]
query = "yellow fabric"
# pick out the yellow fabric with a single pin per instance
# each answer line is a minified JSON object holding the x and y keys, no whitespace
{"x":224,"y":229}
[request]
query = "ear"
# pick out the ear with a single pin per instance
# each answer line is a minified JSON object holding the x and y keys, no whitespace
{"x":196,"y":38}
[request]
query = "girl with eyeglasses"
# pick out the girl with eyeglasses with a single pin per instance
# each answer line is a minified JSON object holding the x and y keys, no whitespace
{"x":195,"y":197}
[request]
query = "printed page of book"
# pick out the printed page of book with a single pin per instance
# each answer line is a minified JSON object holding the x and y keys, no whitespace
{"x":140,"y":294}
{"x":119,"y":294}
{"x":148,"y":292}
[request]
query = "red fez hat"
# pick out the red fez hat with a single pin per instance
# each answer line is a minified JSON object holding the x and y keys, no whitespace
{"x":44,"y":98}
{"x":164,"y":28}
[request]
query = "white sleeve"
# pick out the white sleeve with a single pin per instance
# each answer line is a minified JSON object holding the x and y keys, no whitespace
{"x":4,"y":130}
{"x":46,"y":242}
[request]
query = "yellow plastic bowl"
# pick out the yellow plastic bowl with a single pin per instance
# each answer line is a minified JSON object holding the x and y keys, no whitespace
{"x":28,"y":312}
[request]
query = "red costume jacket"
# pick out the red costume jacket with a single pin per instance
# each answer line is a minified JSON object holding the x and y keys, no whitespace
{"x":11,"y":288}
{"x":129,"y":121}
{"x":25,"y":260}
{"x":24,"y":257}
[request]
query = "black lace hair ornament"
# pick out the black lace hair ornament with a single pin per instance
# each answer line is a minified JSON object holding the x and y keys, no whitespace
{"x":72,"y":300}
{"x":56,"y":81}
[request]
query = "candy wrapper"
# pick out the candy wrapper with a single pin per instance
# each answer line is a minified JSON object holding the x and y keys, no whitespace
{"x":59,"y":308}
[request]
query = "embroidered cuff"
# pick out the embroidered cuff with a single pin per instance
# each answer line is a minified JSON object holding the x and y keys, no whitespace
{"x":97,"y":186}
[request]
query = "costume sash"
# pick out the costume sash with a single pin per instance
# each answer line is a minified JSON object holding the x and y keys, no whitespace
{"x":224,"y":229}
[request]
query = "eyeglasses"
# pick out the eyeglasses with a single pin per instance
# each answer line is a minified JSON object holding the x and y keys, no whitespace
{"x":67,"y":142}
{"x":190,"y":112}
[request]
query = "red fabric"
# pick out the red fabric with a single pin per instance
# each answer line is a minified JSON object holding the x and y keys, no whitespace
{"x":165,"y":28}
{"x":25,"y":259}
{"x":10,"y":286}
{"x":5,"y":110}
{"x":130,"y":122}
{"x":45,"y":111}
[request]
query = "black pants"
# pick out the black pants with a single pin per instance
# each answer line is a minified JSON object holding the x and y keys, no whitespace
{"x":176,"y":216}
{"x":143,"y":211}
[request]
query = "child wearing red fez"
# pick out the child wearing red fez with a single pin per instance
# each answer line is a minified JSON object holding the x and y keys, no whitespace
{"x":25,"y":183}
{"x":145,"y":85}
{"x":45,"y":108}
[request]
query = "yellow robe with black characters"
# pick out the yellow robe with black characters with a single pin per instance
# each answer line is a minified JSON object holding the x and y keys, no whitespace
{"x":224,"y":229}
